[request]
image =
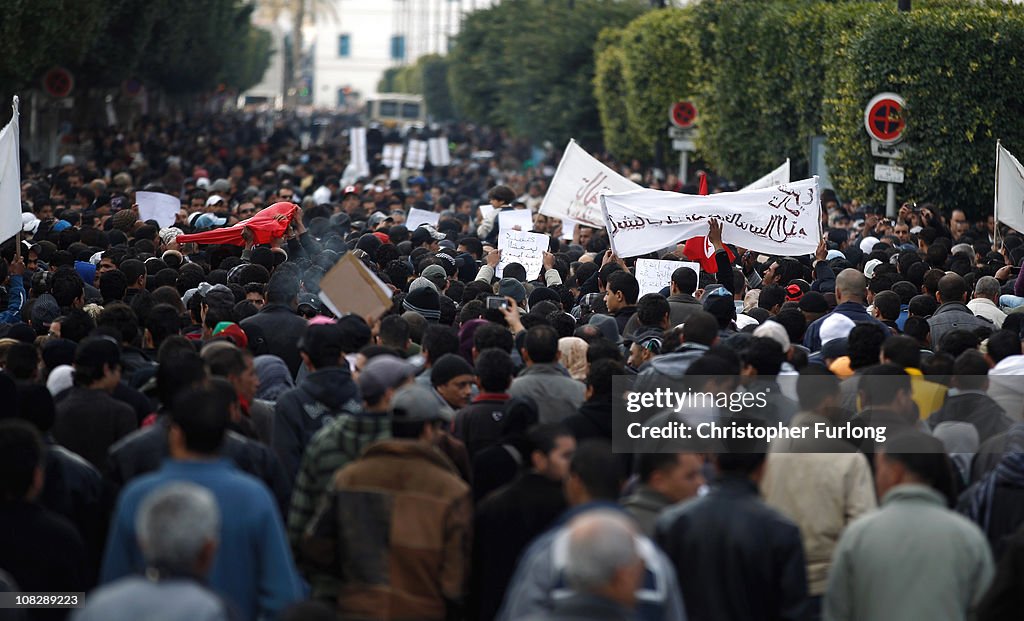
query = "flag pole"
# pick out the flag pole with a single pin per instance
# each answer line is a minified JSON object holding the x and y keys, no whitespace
{"x":995,"y":204}
{"x":17,"y":154}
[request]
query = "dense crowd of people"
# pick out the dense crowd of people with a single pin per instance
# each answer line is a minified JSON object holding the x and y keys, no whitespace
{"x":188,"y":431}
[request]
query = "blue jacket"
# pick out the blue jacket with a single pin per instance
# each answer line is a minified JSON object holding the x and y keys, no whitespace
{"x":16,"y":299}
{"x":853,"y":310}
{"x":253,"y":567}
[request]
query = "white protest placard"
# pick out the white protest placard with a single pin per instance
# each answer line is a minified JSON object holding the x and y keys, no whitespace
{"x":654,"y":275}
{"x":522,"y":247}
{"x":578,"y":183}
{"x":1009,"y":196}
{"x":776,"y":177}
{"x":416,"y":155}
{"x":438,"y":151}
{"x":782,"y":220}
{"x":357,"y":150}
{"x":511,"y":218}
{"x":417,"y":217}
{"x":486,"y":210}
{"x":158,"y":206}
{"x":391,"y":155}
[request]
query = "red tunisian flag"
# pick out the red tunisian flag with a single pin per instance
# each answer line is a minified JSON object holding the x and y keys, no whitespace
{"x":699,"y":249}
{"x":264,"y":226}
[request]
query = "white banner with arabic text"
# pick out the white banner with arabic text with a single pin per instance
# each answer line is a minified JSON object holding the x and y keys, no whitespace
{"x":783,"y":220}
{"x":776,"y":177}
{"x":577,"y":186}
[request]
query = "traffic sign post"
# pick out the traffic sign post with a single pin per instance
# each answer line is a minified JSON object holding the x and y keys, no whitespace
{"x":883,"y":120}
{"x":683,"y":117}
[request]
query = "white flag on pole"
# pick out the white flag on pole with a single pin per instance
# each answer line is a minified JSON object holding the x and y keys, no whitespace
{"x":1009,"y":201}
{"x":578,"y":183}
{"x":10,"y":178}
{"x":779,"y":221}
{"x":357,"y":148}
{"x":438,"y":151}
{"x":776,"y":177}
{"x":416,"y":155}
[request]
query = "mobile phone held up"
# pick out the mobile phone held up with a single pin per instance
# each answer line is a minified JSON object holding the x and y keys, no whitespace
{"x":496,"y":301}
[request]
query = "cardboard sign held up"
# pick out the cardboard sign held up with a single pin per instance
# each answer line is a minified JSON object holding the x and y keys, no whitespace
{"x":350,"y":287}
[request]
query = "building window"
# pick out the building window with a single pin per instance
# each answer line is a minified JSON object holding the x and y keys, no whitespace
{"x":344,"y":46}
{"x":398,"y":47}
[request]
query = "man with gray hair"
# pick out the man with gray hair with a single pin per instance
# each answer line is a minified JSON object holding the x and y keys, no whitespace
{"x":603,"y":566}
{"x":178,"y":527}
{"x":986,"y":301}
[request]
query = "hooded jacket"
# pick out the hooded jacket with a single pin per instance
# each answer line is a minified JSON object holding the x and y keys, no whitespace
{"x":303,"y":410}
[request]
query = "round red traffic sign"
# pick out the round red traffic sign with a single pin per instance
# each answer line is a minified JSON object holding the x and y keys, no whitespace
{"x":883,"y":118}
{"x":683,"y":114}
{"x":58,"y":82}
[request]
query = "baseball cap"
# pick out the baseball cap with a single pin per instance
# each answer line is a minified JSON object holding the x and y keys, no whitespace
{"x":425,"y":232}
{"x":205,"y":220}
{"x":231,"y":331}
{"x":415,"y":403}
{"x":308,"y":299}
{"x":383,"y":372}
{"x":377,"y":217}
{"x":436,"y":275}
{"x":774,"y":331}
{"x":214,"y":200}
{"x":870,"y":266}
{"x":350,"y":189}
{"x":649,"y":339}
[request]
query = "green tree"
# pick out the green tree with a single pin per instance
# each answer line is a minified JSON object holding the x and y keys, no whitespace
{"x":529,"y":66}
{"x":610,"y":94}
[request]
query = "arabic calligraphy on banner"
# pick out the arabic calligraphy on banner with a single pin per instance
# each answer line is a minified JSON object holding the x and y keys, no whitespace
{"x":577,"y":187}
{"x":782,"y":220}
{"x":524,"y":248}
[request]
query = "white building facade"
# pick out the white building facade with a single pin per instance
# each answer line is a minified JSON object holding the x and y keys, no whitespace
{"x":352,"y":49}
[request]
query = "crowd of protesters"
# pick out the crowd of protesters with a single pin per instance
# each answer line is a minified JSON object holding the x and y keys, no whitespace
{"x":189,"y":432}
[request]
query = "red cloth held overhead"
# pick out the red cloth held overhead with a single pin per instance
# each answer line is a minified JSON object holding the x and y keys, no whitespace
{"x":264,"y":226}
{"x":697,"y":248}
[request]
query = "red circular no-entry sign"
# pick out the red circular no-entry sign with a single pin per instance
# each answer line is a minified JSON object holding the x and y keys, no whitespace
{"x":883,"y":118}
{"x":58,"y":82}
{"x":683,"y":114}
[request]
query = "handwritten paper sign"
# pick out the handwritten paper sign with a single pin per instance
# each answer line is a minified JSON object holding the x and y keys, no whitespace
{"x":782,"y":220}
{"x":158,"y":206}
{"x":349,"y":287}
{"x":654,"y":275}
{"x":512,"y":218}
{"x":417,"y":217}
{"x":526,"y":249}
{"x":578,"y":183}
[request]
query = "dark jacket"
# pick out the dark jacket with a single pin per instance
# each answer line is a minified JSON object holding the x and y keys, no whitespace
{"x":42,"y":552}
{"x":736,"y":558}
{"x":853,"y":310}
{"x":592,"y":420}
{"x":74,"y":489}
{"x":146,"y":449}
{"x":478,"y":424}
{"x":661,"y":371}
{"x":303,"y":410}
{"x":88,"y":422}
{"x":975,"y":408}
{"x":505,"y":523}
{"x":681,"y":306}
{"x":622,"y":317}
{"x":951,"y":316}
{"x":282,"y":329}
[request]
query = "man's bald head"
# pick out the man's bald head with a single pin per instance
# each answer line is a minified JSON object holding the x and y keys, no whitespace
{"x":851,"y":285}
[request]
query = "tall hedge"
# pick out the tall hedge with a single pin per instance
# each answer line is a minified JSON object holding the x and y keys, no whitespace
{"x":658,"y":67}
{"x":959,"y":70}
{"x":610,"y":95}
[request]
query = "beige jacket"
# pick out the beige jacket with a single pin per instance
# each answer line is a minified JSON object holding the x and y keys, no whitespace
{"x":822,"y":492}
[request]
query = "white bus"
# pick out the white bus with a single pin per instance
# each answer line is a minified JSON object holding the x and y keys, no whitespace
{"x":396,"y":109}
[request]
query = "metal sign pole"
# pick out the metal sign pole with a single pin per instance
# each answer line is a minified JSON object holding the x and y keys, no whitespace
{"x":890,"y":196}
{"x":684,"y":161}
